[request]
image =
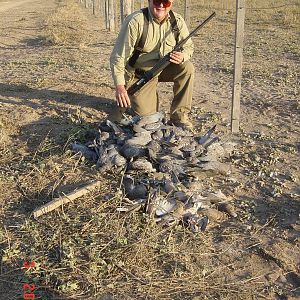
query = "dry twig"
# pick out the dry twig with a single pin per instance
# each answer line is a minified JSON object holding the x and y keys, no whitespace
{"x":57,"y":202}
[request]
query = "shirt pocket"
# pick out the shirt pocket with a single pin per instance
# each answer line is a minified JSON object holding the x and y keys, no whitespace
{"x":169,"y":45}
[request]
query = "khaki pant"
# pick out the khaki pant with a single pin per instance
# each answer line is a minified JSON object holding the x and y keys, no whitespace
{"x":145,"y":101}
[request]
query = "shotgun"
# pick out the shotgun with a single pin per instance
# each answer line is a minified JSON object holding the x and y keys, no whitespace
{"x":164,"y":62}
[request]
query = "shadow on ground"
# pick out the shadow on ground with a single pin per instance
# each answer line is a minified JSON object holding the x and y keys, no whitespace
{"x":47,"y":97}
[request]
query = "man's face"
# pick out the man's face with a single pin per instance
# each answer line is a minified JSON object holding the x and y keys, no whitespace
{"x":160,"y":8}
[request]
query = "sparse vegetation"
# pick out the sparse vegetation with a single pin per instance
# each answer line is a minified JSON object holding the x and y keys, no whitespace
{"x":51,"y":96}
{"x":67,"y":25}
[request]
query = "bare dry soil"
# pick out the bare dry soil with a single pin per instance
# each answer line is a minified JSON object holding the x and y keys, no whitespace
{"x":51,"y":95}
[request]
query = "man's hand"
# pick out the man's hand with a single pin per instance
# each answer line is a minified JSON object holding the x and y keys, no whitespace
{"x":122,"y":96}
{"x":176,"y":57}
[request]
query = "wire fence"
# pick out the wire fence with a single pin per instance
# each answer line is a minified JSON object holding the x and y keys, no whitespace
{"x":113,"y":12}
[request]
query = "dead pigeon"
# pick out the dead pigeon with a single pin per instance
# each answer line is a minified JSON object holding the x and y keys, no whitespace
{"x":153,"y":126}
{"x":133,"y":151}
{"x":168,"y":186}
{"x":171,"y":167}
{"x":216,"y":197}
{"x":140,"y":138}
{"x":157,"y":135}
{"x":153,"y":148}
{"x":218,"y":150}
{"x":202,"y":140}
{"x":133,"y":191}
{"x":128,"y":183}
{"x":181,"y":196}
{"x":164,"y":206}
{"x":117,"y":129}
{"x":87,"y":152}
{"x":142,"y":164}
{"x":153,"y":118}
{"x":110,"y":158}
{"x":118,"y":160}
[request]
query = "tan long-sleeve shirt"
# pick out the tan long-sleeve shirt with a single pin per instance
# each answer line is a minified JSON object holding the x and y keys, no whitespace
{"x":159,"y":42}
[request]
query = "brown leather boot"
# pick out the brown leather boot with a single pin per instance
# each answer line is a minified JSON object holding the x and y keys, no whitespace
{"x":181,"y":119}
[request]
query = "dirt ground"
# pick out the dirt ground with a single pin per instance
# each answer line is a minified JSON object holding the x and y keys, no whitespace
{"x":51,"y":95}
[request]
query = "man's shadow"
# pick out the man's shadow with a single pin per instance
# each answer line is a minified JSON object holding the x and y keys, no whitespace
{"x":58,"y":111}
{"x":51,"y":99}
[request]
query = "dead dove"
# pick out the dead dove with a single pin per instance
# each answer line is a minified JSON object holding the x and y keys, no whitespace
{"x":142,"y":164}
{"x":117,"y":129}
{"x":87,"y":152}
{"x":164,"y":206}
{"x":133,"y":191}
{"x":202,"y":140}
{"x":149,"y":119}
{"x":140,"y":138}
{"x":133,"y":151}
{"x":168,"y":186}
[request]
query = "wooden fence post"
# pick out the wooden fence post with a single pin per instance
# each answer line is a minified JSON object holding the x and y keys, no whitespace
{"x":102,"y":8}
{"x":187,"y":14}
{"x":111,"y":15}
{"x":116,"y":14}
{"x":126,"y":6}
{"x":94,"y":6}
{"x":121,"y":11}
{"x":238,"y":60}
{"x":106,"y":14}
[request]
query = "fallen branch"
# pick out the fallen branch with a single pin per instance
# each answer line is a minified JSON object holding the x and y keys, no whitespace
{"x":57,"y":202}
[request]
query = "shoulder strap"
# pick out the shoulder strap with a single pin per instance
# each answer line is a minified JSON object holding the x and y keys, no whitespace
{"x":174,"y":26}
{"x":141,"y":43}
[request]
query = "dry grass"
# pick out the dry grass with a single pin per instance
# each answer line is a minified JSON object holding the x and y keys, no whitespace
{"x":4,"y":133}
{"x":286,"y":13}
{"x":86,"y":249}
{"x":90,"y":250}
{"x":67,"y":26}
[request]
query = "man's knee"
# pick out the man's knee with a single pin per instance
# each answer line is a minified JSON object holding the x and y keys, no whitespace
{"x":184,"y":70}
{"x":188,"y":67}
{"x":176,"y":72}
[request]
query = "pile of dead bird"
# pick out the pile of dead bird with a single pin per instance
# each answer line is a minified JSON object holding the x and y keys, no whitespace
{"x":161,"y":167}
